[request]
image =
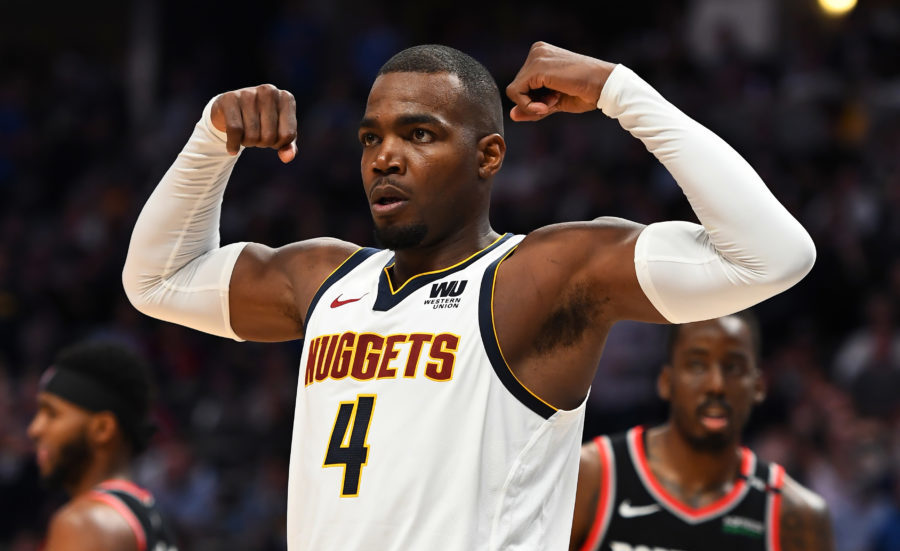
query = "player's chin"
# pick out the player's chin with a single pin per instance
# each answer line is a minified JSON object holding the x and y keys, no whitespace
{"x":706,"y":439}
{"x":398,"y":236}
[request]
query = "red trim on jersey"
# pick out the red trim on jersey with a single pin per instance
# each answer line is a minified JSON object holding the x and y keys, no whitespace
{"x":604,"y":502}
{"x":128,"y":487}
{"x":126,"y":513}
{"x":774,"y":512}
{"x":637,"y":436}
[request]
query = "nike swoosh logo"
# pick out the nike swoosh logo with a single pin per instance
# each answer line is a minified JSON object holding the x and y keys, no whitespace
{"x":627,"y":510}
{"x":338,"y":302}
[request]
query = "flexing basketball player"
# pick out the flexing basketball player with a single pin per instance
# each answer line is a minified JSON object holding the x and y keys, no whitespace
{"x":689,"y":484}
{"x":443,"y":378}
{"x":92,"y":419}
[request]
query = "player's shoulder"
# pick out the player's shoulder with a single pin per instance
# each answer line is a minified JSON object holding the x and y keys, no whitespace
{"x":329,"y":249}
{"x":605,"y":229}
{"x":568,"y":245}
{"x":599,"y":450}
{"x":798,"y":498}
{"x":88,"y":523}
{"x":804,"y":519}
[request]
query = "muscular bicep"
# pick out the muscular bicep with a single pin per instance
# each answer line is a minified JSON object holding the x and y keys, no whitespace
{"x":271,"y":289}
{"x":805,"y":524}
{"x":592,"y":259}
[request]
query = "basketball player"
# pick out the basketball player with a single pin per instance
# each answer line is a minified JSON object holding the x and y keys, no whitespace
{"x":92,"y":419}
{"x":689,"y":484}
{"x":443,"y":378}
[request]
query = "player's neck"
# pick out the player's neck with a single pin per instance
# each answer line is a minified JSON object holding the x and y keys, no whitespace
{"x":441,"y":254}
{"x":696,"y":472}
{"x":101,"y":469}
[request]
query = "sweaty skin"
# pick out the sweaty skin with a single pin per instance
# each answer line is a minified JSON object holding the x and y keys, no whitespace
{"x":417,"y":149}
{"x":713,"y":362}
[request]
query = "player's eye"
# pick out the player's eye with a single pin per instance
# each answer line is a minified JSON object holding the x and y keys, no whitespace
{"x":733,"y":368}
{"x":422,"y":136}
{"x":367,"y":139}
{"x":696,"y":366}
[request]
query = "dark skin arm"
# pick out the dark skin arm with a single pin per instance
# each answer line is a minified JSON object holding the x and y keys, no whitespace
{"x":86,"y":525}
{"x":805,"y":522}
{"x":271,"y":289}
{"x":590,"y":475}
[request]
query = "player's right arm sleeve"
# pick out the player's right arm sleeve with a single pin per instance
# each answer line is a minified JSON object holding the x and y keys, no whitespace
{"x":748,"y":247}
{"x":175,"y":270}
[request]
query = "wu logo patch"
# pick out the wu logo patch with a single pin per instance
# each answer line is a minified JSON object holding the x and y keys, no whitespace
{"x":445,"y":294}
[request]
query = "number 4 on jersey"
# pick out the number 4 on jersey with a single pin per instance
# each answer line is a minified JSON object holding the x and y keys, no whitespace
{"x":354,"y":455}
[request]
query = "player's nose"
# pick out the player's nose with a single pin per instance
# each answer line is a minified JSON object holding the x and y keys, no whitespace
{"x":715,"y":379}
{"x":35,"y":428}
{"x":389,"y":157}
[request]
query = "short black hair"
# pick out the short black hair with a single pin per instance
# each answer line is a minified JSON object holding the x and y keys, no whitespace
{"x":122,"y":371}
{"x":747,"y":316}
{"x":478,"y":83}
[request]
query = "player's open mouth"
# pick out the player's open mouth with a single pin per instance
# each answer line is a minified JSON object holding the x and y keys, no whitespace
{"x":388,"y":204}
{"x":387,"y":197}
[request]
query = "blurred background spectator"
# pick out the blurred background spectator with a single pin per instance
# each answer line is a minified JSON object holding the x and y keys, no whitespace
{"x":96,"y":100}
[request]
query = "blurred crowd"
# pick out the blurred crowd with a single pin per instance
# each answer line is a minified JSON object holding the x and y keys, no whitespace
{"x":89,"y":125}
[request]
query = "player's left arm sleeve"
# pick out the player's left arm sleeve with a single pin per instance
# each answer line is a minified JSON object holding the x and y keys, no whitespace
{"x":748,"y":248}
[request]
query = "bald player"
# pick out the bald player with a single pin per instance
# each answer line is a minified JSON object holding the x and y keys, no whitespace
{"x":92,"y":420}
{"x":690,"y":485}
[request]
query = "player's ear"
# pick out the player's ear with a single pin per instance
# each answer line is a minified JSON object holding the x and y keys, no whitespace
{"x":491,"y":151}
{"x":759,"y":388}
{"x":102,"y":427}
{"x":664,"y":383}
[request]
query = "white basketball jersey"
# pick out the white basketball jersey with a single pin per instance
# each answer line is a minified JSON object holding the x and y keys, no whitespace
{"x":411,"y":433}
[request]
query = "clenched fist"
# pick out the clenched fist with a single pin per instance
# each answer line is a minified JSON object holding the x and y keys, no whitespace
{"x":259,"y":116}
{"x":553,"y":79}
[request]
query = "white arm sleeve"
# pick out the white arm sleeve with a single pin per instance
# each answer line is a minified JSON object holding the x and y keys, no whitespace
{"x":749,"y":248}
{"x":175,"y":270}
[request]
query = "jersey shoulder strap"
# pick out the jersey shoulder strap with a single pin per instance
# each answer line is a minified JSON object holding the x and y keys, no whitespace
{"x":138,"y":507}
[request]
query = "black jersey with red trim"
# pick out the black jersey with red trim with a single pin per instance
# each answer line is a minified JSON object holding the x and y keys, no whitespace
{"x":636,"y":513}
{"x":138,"y":508}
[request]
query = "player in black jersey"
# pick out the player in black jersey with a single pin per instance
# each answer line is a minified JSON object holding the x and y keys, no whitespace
{"x":689,"y":485}
{"x":92,"y":419}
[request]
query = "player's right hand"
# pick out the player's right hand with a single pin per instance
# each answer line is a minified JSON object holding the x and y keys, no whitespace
{"x":259,"y":116}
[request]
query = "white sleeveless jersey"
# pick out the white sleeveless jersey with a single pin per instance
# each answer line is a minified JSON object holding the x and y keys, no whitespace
{"x":411,"y":433}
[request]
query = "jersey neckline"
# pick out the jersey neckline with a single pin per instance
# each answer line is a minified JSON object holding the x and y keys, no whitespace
{"x":692,"y":515}
{"x":387,"y":297}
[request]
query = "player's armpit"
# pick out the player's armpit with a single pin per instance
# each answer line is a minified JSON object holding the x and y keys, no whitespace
{"x":597,"y":256}
{"x":271,"y":289}
{"x":805,"y":524}
{"x":89,"y":527}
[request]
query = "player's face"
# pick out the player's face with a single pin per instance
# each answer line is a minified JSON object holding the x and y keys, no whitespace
{"x":712,"y":382}
{"x":420,"y":159}
{"x":59,"y":431}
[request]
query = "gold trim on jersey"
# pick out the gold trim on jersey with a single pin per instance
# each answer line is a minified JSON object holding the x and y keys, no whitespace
{"x":470,"y":257}
{"x":497,"y":340}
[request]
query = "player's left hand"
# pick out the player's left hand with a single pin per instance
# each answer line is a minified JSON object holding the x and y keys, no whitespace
{"x":553,"y":79}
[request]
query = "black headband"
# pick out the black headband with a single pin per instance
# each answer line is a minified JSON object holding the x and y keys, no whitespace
{"x":93,"y":395}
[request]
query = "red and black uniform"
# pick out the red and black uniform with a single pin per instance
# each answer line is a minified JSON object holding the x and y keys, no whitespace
{"x":635,"y":512}
{"x":138,"y":508}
